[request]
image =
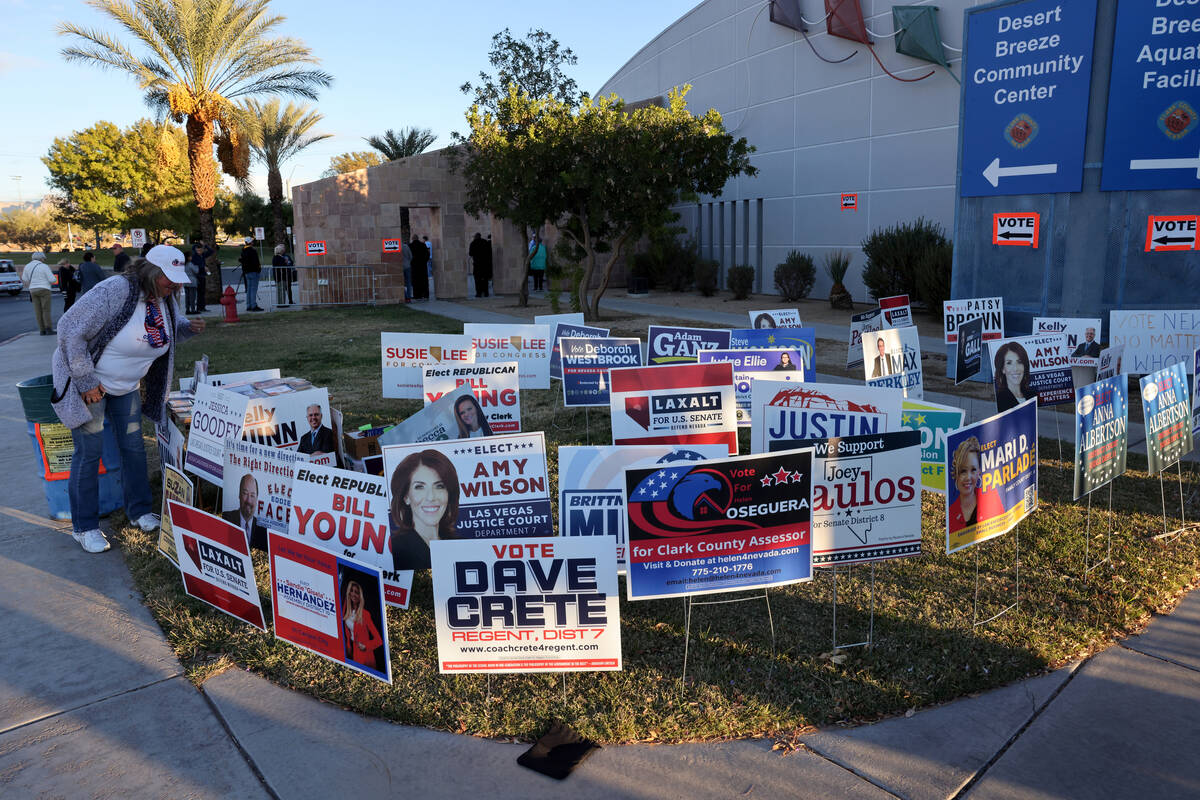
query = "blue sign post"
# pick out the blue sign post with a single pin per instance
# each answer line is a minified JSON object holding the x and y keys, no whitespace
{"x":1151,"y":140}
{"x":1026,"y":79}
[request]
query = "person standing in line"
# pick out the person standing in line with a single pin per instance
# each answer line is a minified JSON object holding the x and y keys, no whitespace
{"x":122,"y":331}
{"x":68,"y":284}
{"x":480,"y":265}
{"x":39,"y":280}
{"x":146,"y":247}
{"x":199,"y":258}
{"x":406,"y":260}
{"x":429,"y":247}
{"x":120,"y":258}
{"x":281,"y":264}
{"x":537,"y":263}
{"x":252,"y":269}
{"x":420,"y":267}
{"x":90,"y":272}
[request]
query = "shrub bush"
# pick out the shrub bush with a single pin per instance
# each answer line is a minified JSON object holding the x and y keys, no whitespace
{"x":794,"y":278}
{"x":706,"y":277}
{"x":837,"y":264}
{"x":933,"y":277}
{"x":893,"y":254}
{"x":741,"y":281}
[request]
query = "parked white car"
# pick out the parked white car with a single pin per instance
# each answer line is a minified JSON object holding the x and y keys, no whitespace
{"x":10,"y":281}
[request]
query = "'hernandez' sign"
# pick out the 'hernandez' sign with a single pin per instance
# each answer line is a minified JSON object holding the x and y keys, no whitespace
{"x":1101,"y":434}
{"x":528,"y":345}
{"x":495,"y":386}
{"x":404,"y":355}
{"x":993,"y":476}
{"x":526,"y":605}
{"x":329,"y":605}
{"x":668,"y":345}
{"x":346,"y":513}
{"x":719,"y":526}
{"x":488,"y":488}
{"x":785,"y":412}
{"x":215,"y":562}
{"x":591,"y":480}
{"x":1168,"y":417}
{"x":678,"y":404}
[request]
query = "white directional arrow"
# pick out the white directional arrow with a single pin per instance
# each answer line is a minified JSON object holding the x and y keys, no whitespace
{"x":1166,"y":163}
{"x":994,"y":172}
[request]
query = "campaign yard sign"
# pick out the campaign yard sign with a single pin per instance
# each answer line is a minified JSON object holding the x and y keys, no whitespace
{"x":203,"y":376}
{"x":859,"y":324}
{"x":993,"y":469}
{"x":495,"y":384}
{"x":171,"y":444}
{"x":1082,"y":336}
{"x":670,"y":345}
{"x":526,"y":605}
{"x":776,"y":318}
{"x":934,"y":421}
{"x":492,"y":488}
{"x":802,"y":341}
{"x":779,"y":364}
{"x":346,"y":513}
{"x":681,"y":404}
{"x":1031,"y":365}
{"x":591,"y":494}
{"x":405,"y":354}
{"x":258,"y":480}
{"x":968,"y":359}
{"x":989,"y":309}
{"x":436,"y":422}
{"x":785,"y":412}
{"x":1101,"y":434}
{"x":565,"y":325}
{"x":725,"y":525}
{"x":1110,"y":362}
{"x":866,"y":498}
{"x":217,"y":415}
{"x":1196,"y":393}
{"x":1154,"y":339}
{"x":214,"y":560}
{"x":1168,"y":416}
{"x":283,"y":420}
{"x":330,"y":605}
{"x":528,"y":345}
{"x":896,"y":310}
{"x":177,"y":487}
{"x":586,"y":364}
{"x":892,"y":359}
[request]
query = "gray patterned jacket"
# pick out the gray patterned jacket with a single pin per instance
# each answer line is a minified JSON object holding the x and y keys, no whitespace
{"x":83,"y":333}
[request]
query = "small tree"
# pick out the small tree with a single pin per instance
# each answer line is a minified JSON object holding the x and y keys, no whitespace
{"x":278,"y":134}
{"x":740,"y":280}
{"x":794,"y":278}
{"x":533,"y":65}
{"x":349,"y":162}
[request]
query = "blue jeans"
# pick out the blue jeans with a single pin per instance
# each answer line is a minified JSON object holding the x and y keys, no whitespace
{"x":252,"y":289}
{"x":123,"y":413}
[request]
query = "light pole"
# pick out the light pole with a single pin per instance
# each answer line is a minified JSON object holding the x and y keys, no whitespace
{"x":17,"y":178}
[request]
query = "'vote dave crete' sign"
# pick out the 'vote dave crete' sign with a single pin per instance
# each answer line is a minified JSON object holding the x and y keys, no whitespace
{"x":1026,"y":78}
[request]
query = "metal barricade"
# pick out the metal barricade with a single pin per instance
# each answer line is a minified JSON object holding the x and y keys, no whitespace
{"x":347,"y":285}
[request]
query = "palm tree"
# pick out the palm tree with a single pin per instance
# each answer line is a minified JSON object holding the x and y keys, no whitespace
{"x":408,"y":142}
{"x":201,"y":56}
{"x":277,"y":135}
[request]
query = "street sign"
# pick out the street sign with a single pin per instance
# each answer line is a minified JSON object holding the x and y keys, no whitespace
{"x":137,"y":237}
{"x":259,"y":234}
{"x":1171,"y":233}
{"x":314,"y":248}
{"x":1151,"y":139}
{"x":391,"y":245}
{"x":1016,"y":230}
{"x":1026,"y":79}
{"x":849,"y":201}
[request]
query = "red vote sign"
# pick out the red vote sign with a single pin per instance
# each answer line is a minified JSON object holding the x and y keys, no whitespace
{"x":1016,"y":230}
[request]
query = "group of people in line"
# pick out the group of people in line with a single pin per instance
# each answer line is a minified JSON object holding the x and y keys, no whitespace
{"x":416,"y":257}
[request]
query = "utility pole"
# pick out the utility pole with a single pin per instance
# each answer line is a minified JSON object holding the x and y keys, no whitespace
{"x":17,"y":178}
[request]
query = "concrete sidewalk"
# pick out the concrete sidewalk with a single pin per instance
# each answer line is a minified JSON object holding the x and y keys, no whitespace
{"x":92,"y":704}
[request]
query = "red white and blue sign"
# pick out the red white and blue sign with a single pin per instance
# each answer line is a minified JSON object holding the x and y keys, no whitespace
{"x":214,"y":559}
{"x":1167,"y":413}
{"x":585,"y":366}
{"x":1027,"y":73}
{"x":682,"y":404}
{"x":719,"y":526}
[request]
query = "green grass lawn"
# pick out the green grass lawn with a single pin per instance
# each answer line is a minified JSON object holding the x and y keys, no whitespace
{"x":926,"y":650}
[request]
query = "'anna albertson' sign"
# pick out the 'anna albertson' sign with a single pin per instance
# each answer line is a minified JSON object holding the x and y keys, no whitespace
{"x":526,"y":605}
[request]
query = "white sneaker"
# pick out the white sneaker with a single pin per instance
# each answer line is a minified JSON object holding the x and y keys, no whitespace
{"x":148,"y":522}
{"x":92,"y":541}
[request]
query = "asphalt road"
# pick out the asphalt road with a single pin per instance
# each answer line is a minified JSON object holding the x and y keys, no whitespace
{"x":16,"y":314}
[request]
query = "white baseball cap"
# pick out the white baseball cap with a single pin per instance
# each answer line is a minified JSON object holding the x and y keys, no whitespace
{"x":170,"y":260}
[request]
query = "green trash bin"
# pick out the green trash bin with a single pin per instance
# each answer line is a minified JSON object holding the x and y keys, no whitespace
{"x":53,"y":448}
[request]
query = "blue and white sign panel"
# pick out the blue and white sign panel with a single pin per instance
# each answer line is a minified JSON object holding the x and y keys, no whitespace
{"x":1150,"y":138}
{"x":1027,"y":74}
{"x":585,"y":366}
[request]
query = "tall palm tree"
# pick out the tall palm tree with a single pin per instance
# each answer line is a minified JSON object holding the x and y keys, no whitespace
{"x":200,"y":57}
{"x":277,"y":135}
{"x":408,"y":142}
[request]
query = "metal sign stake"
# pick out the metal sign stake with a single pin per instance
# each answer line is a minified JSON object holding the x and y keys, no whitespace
{"x":870,"y":640}
{"x":1016,"y":600}
{"x":688,"y":603}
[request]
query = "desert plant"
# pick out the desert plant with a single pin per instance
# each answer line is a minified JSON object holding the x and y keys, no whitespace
{"x":837,"y":264}
{"x":933,"y":276}
{"x":668,"y":261}
{"x":706,"y":277}
{"x":741,"y":281}
{"x":794,"y":278}
{"x":892,"y":256}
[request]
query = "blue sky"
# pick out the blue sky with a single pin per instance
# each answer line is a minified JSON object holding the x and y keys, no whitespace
{"x":394,"y":65}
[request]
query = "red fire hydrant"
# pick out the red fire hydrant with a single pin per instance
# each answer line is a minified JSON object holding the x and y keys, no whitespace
{"x":229,"y":300}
